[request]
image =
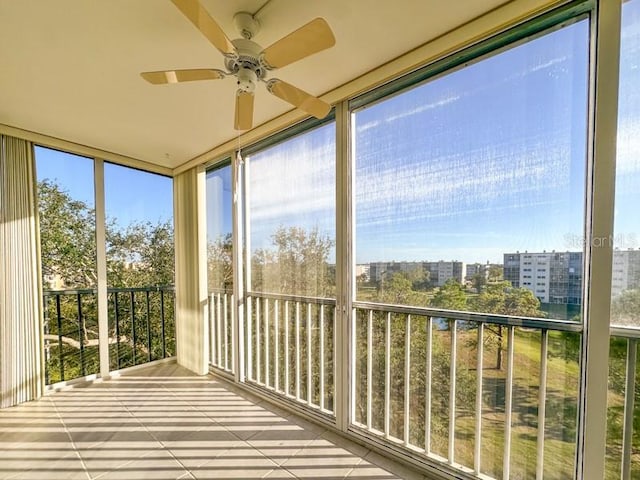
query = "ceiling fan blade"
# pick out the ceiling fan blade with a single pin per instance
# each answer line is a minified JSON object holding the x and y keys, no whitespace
{"x":244,"y":110}
{"x":196,"y":13}
{"x":299,"y":98}
{"x":311,"y":38}
{"x":177,"y":76}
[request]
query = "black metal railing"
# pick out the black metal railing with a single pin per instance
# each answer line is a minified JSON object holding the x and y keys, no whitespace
{"x":141,"y":326}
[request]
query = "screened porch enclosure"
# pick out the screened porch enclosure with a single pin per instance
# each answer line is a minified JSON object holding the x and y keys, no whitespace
{"x":440,"y":279}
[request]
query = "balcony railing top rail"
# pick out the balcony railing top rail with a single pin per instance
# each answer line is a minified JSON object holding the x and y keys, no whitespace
{"x":86,"y":291}
{"x":293,"y":298}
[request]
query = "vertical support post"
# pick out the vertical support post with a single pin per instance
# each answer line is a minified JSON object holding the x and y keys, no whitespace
{"x":101,"y":268}
{"x":239,"y":174}
{"x":603,"y":110}
{"x":344,"y":356}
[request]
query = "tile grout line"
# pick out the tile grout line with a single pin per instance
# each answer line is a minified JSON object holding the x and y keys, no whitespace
{"x":146,"y":429}
{"x":246,"y":441}
{"x":73,"y":443}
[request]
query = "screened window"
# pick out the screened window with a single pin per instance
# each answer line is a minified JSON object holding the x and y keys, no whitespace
{"x":291,"y":211}
{"x":140,"y":265}
{"x":219,"y":229}
{"x":68,"y":255}
{"x":458,"y":178}
{"x":470,"y":197}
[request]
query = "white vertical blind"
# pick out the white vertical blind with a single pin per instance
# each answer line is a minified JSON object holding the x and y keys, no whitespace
{"x":21,"y":377}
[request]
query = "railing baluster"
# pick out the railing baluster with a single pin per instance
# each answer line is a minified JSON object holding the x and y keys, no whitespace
{"x":453,"y":329}
{"x":407,"y":377}
{"x":508,"y":403}
{"x":287,"y":358}
{"x":542,"y":403}
{"x":249,"y":338}
{"x":81,"y":335}
{"x":258,"y":342}
{"x":224,"y":319}
{"x":427,"y":387}
{"x":133,"y":327}
{"x":60,"y":350}
{"x":477,"y":463}
{"x":309,"y":376}
{"x":233,"y":326}
{"x":148,"y":326}
{"x":629,"y":397}
{"x":387,"y":375}
{"x":212,"y":324}
{"x":267,"y":373}
{"x":117,"y":320}
{"x":369,"y":366}
{"x":297,"y":350}
{"x":276,"y":345}
{"x":218,"y":331}
{"x":164,"y":339}
{"x":321,"y":333}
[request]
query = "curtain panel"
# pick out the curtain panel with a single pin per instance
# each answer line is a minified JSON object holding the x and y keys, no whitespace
{"x":21,"y":371}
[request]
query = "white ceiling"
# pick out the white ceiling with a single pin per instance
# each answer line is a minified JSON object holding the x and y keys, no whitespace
{"x":70,"y":68}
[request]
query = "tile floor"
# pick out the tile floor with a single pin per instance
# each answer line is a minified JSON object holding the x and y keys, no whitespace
{"x":162,"y":422}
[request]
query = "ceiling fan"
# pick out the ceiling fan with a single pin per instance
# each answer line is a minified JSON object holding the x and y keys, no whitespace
{"x":249,"y":63}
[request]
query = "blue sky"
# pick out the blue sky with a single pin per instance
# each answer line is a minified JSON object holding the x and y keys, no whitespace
{"x":487,"y":159}
{"x":130,"y":195}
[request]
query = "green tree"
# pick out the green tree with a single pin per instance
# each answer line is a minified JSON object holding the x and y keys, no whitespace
{"x":478,"y":281}
{"x":503,"y":299}
{"x":139,"y":255}
{"x":625,"y":308}
{"x":297,"y":264}
{"x":67,"y":238}
{"x":220,"y":263}
{"x":451,"y":296}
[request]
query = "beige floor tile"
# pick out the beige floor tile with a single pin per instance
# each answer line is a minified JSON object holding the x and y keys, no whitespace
{"x":65,"y":468}
{"x":164,"y":422}
{"x":158,"y":464}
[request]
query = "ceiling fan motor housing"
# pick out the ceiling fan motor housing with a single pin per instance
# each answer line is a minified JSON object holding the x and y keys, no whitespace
{"x":247,"y":80}
{"x":246,"y":65}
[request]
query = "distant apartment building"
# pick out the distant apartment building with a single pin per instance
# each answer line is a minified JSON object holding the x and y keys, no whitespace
{"x":625,"y":274}
{"x":362,"y":271}
{"x":439,"y":272}
{"x":553,"y":277}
